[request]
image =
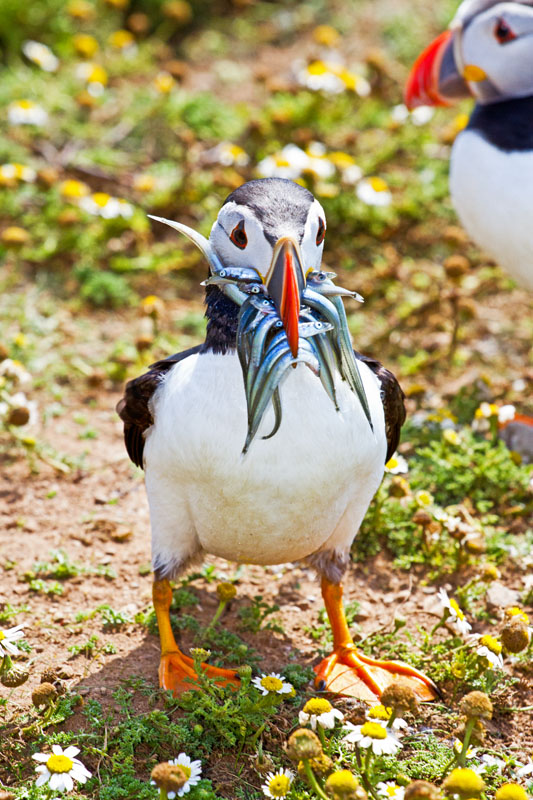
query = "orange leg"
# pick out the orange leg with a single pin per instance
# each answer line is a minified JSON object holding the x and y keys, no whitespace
{"x":348,"y":672}
{"x":174,"y":666}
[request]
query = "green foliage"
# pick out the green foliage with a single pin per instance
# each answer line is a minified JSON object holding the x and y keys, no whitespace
{"x":254,"y":616}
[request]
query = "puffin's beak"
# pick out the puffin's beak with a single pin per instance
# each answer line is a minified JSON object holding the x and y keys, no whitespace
{"x":435,"y":79}
{"x":285,"y":282}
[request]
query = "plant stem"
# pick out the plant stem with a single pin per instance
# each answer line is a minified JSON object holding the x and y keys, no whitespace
{"x":469,"y":727}
{"x":322,"y":736}
{"x":315,"y":786}
{"x":221,"y":606}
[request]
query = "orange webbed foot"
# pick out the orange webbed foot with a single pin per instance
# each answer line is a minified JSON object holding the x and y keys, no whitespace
{"x":352,"y":674}
{"x":177,"y":673}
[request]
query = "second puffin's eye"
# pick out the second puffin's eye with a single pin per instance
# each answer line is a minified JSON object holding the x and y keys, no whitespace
{"x":321,"y":232}
{"x":503,"y":32}
{"x":238,"y":236}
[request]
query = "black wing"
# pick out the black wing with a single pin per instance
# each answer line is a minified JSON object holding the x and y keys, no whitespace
{"x":392,"y":397}
{"x":134,"y":408}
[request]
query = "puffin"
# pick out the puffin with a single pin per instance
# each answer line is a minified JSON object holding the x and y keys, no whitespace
{"x":487,"y":54}
{"x":266,"y":443}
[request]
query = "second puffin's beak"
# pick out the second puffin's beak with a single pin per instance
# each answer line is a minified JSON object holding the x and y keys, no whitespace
{"x":435,"y":79}
{"x":285,"y":282}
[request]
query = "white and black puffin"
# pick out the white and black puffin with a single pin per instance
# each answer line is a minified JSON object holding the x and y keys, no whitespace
{"x":487,"y":54}
{"x":266,"y":443}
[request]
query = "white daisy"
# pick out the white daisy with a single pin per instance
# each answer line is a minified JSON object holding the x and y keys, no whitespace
{"x":26,"y":112}
{"x":228,"y":155}
{"x":19,"y":402}
{"x":60,"y":769}
{"x":506,"y":414}
{"x":490,"y":648}
{"x":291,"y":162}
{"x":458,"y":746}
{"x":419,"y":116}
{"x":319,"y":711}
{"x":103,"y":205}
{"x":278,"y":784}
{"x":488,"y":761}
{"x":457,"y":617}
{"x":193,"y":770}
{"x":273,"y":683}
{"x":525,"y":769}
{"x":331,"y":77}
{"x":390,"y":790}
{"x":16,"y":172}
{"x":374,"y":192}
{"x":396,"y":465}
{"x":14,"y":370}
{"x":41,"y":55}
{"x":7,"y":637}
{"x":374,"y":735}
{"x":382,"y":715}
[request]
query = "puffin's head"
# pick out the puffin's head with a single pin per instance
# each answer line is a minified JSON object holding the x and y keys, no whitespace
{"x":270,"y":231}
{"x":487,"y":53}
{"x":277,"y":228}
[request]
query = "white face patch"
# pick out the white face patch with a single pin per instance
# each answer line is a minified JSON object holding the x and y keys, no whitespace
{"x":257,"y":254}
{"x":508,"y":63}
{"x":311,"y":252}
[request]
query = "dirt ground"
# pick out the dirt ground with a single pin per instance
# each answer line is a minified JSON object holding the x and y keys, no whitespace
{"x":99,"y":516}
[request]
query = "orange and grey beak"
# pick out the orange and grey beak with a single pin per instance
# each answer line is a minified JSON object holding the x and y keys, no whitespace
{"x":285,"y":283}
{"x":435,"y":79}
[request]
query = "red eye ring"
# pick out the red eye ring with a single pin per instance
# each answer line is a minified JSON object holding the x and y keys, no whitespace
{"x":502,"y":32}
{"x":238,"y":236}
{"x":321,"y":232}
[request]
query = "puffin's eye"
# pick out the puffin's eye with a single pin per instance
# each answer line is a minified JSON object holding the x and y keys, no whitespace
{"x":321,"y":232}
{"x":238,"y":236}
{"x":502,"y":32}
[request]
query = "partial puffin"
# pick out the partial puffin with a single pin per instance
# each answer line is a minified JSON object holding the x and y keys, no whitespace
{"x":487,"y":53}
{"x":266,"y":443}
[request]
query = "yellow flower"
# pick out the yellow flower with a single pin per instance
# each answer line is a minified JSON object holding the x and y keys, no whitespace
{"x":92,"y":74}
{"x":278,"y":783}
{"x":380,"y":712}
{"x":14,"y":236}
{"x":342,"y":784}
{"x":144,"y":183}
{"x":450,"y":436}
{"x":374,"y":730}
{"x":226,"y":591}
{"x":492,"y":643}
{"x":424,"y":498}
{"x":118,"y":3}
{"x":514,"y":611}
{"x":511,"y":791}
{"x":81,"y":9}
{"x":464,"y":782}
{"x":317,"y":68}
{"x":486,"y":410}
{"x":164,"y":82}
{"x":178,"y":10}
{"x":152,"y":306}
{"x":121,"y":40}
{"x":85,"y":45}
{"x":73,"y":189}
{"x":326,"y":35}
{"x":317,"y":705}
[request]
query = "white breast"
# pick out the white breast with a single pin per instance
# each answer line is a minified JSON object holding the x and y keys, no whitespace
{"x":309,"y":484}
{"x":492,"y":192}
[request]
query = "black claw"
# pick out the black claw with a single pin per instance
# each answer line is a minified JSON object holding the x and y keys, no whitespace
{"x":437,"y":691}
{"x":321,"y":685}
